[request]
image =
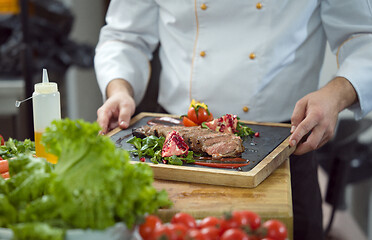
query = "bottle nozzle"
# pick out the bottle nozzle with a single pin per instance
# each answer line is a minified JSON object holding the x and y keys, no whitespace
{"x":45,"y":86}
{"x":45,"y":76}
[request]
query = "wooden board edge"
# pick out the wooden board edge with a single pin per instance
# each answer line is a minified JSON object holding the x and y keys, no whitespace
{"x":211,"y":176}
{"x":220,"y":178}
{"x":272,"y":161}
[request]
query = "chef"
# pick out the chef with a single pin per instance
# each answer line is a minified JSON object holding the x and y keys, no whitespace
{"x":260,"y":60}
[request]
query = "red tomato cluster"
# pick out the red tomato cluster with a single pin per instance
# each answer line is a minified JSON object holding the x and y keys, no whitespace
{"x":239,"y":225}
{"x":196,"y":116}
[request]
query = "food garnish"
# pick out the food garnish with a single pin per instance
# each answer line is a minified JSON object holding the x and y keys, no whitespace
{"x":229,"y":123}
{"x":221,"y":165}
{"x":174,"y":145}
{"x":13,"y":147}
{"x":152,"y":147}
{"x":197,"y":114}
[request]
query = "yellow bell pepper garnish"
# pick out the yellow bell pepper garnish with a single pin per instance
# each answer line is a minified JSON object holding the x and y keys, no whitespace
{"x":195,"y":104}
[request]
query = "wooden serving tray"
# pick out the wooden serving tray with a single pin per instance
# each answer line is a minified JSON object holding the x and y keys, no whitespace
{"x":265,"y":153}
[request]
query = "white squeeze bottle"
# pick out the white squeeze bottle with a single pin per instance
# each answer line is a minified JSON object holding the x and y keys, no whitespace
{"x":46,"y":108}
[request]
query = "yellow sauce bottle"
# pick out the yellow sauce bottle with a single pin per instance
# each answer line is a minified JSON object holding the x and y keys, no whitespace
{"x":46,"y":108}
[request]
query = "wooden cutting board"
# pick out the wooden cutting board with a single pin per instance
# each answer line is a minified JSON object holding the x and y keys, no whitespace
{"x":265,"y":154}
{"x":272,"y":199}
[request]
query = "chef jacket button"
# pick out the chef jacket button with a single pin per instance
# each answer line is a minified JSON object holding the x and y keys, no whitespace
{"x":202,"y":54}
{"x":252,"y":56}
{"x":203,"y":6}
{"x":245,"y":109}
{"x":259,"y":5}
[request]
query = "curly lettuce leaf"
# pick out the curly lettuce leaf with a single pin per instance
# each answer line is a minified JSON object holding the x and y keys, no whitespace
{"x":8,"y":213}
{"x":41,"y":209}
{"x":27,"y":163}
{"x":37,"y":231}
{"x":30,"y":177}
{"x":93,"y":177}
{"x":4,"y":189}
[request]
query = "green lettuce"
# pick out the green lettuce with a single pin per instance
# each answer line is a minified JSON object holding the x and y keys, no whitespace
{"x":13,"y":147}
{"x":37,"y":231}
{"x":94,"y":179}
{"x":93,"y":185}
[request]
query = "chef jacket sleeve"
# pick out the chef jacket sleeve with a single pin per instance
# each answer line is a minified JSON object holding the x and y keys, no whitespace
{"x":126,"y":44}
{"x":348,"y":26}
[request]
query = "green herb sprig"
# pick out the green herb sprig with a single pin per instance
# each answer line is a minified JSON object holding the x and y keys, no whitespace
{"x":151,"y":146}
{"x":13,"y":147}
{"x":244,"y":131}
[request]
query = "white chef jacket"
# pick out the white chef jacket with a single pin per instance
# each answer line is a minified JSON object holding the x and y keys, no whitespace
{"x":250,"y":58}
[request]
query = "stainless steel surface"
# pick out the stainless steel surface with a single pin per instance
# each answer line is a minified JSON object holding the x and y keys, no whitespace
{"x":10,"y":91}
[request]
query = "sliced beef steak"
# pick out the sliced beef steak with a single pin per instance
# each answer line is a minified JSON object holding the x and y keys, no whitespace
{"x":201,"y":140}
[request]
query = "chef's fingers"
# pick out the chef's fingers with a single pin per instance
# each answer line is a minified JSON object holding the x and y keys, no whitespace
{"x":124,"y":119}
{"x":302,"y":129}
{"x":126,"y":110}
{"x":299,"y":114}
{"x":310,"y":142}
{"x":328,"y":133}
{"x":112,"y":125}
{"x":104,"y":114}
{"x":103,"y":118}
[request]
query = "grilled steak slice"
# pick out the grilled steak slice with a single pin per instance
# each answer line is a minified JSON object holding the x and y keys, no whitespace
{"x":200,"y":140}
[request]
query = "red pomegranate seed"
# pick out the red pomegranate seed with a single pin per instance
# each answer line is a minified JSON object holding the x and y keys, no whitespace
{"x":256,"y":134}
{"x":142,"y":159}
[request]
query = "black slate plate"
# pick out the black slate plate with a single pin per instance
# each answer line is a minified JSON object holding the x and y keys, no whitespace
{"x":256,"y":148}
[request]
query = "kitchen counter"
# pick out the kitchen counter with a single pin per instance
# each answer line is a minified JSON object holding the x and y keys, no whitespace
{"x":271,"y":199}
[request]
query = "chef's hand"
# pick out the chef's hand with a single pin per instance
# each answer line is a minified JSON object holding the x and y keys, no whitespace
{"x":315,"y":116}
{"x":118,"y":108}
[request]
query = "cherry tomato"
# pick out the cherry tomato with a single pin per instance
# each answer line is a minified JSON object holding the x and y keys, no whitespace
{"x":256,"y":134}
{"x":185,"y":219}
{"x":2,"y":140}
{"x":187,"y":122}
{"x":233,"y":220}
{"x":199,"y":115}
{"x":194,"y":234}
{"x":250,"y":218}
{"x":147,"y":229}
{"x":275,"y":229}
{"x":163,"y":232}
{"x":178,"y":231}
{"x":210,"y":233}
{"x":210,"y":118}
{"x":209,"y":222}
{"x":234,"y":234}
